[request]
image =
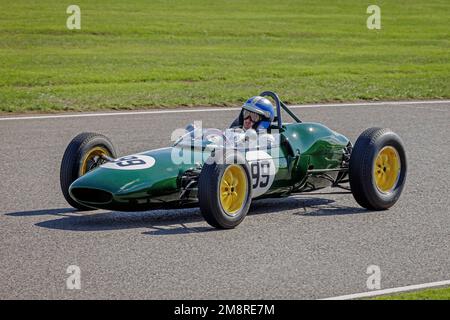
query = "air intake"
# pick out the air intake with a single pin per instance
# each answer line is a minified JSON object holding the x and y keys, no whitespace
{"x":91,"y":195}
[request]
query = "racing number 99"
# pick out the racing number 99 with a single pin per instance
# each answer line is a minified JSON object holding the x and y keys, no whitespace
{"x":260,"y":173}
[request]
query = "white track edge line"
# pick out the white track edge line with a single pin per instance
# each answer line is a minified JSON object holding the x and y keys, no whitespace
{"x":391,"y":290}
{"x":105,"y":114}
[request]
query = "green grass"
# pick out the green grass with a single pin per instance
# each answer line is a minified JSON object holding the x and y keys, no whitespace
{"x":429,"y":294}
{"x":142,"y":54}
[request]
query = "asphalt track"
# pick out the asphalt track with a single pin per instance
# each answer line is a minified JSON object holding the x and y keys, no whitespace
{"x":303,"y":247}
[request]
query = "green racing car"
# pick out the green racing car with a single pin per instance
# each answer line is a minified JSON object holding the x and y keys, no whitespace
{"x":222,"y":172}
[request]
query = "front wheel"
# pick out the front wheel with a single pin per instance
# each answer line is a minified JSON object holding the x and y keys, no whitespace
{"x":84,"y":153}
{"x":377,"y":169}
{"x":224,"y":193}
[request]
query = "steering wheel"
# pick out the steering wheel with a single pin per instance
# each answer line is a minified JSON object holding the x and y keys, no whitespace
{"x":207,"y":133}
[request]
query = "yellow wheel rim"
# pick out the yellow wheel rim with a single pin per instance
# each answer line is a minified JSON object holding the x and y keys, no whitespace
{"x":233,"y":189}
{"x":91,"y":157}
{"x":386,"y":170}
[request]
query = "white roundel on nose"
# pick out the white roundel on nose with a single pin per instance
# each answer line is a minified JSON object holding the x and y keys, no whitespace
{"x":133,"y":162}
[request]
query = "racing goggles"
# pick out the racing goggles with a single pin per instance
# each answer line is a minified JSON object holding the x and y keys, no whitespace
{"x":253,"y":116}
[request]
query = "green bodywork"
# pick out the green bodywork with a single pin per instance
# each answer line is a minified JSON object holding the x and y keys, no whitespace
{"x":306,"y":151}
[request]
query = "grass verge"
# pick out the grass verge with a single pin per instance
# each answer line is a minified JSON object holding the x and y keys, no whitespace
{"x":428,"y":294}
{"x":142,"y":54}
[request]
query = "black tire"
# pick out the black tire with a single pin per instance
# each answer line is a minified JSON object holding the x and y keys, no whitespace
{"x":71,"y":161}
{"x":209,"y":195}
{"x":361,"y":169}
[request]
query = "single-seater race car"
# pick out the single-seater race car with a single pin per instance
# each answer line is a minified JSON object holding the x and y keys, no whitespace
{"x":222,"y":172}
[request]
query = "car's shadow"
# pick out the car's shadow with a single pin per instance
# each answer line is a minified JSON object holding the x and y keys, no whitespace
{"x":42,"y":212}
{"x":164,"y":222}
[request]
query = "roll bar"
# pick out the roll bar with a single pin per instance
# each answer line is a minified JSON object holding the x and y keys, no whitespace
{"x":279,"y":104}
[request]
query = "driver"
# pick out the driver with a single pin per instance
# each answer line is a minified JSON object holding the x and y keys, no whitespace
{"x":257,"y":113}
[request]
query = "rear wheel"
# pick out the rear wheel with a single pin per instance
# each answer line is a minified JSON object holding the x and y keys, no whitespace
{"x":224,"y":193}
{"x":377,"y":169}
{"x":84,"y":153}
